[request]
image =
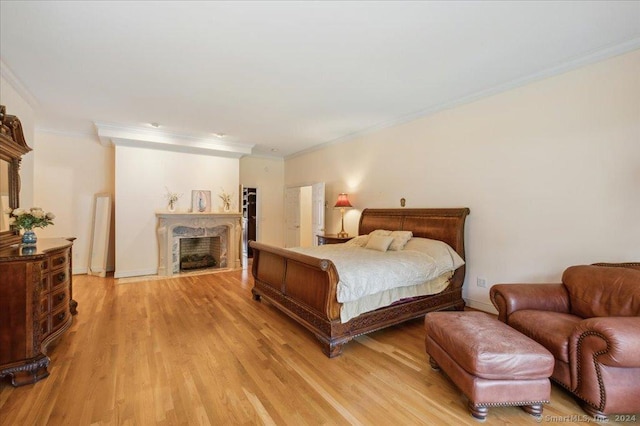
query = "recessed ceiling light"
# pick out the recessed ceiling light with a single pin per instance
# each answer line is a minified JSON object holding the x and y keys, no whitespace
{"x":219,"y":135}
{"x":274,"y":150}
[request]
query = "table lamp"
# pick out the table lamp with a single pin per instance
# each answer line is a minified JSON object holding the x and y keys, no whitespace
{"x":342,"y":203}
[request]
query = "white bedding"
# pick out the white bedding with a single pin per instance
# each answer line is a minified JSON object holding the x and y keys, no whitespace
{"x":364,"y":273}
{"x":350,"y":310}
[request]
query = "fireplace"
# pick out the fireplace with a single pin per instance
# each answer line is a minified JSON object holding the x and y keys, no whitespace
{"x":199,"y":253}
{"x":200,"y":240}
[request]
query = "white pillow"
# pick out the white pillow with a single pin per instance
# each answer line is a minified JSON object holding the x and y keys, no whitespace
{"x":359,"y":241}
{"x":382,"y":232}
{"x":400,"y":238}
{"x":446,"y":258}
{"x":379,"y":242}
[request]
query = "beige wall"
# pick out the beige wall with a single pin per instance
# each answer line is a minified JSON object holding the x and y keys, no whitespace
{"x":306,"y":224}
{"x":550,"y":171}
{"x":267,"y":175}
{"x":142,"y":179}
{"x":69,"y":171}
{"x":61,"y":175}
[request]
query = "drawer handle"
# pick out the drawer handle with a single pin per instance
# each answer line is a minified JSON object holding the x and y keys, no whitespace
{"x":61,"y":316}
{"x":60,"y":277}
{"x":59,"y":261}
{"x":61,"y":297}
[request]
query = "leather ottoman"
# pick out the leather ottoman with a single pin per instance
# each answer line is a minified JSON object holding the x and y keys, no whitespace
{"x":490,"y":362}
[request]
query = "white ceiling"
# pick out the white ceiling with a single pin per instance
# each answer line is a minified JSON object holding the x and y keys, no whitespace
{"x":290,"y":75}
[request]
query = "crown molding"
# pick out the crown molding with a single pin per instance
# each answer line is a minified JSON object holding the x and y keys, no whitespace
{"x":264,"y":156}
{"x":67,"y":133}
{"x":142,"y":137}
{"x":17,"y":85}
{"x":570,"y":65}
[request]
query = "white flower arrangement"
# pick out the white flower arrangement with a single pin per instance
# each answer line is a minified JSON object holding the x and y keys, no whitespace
{"x":226,"y":199}
{"x":172,"y":197}
{"x":25,"y":219}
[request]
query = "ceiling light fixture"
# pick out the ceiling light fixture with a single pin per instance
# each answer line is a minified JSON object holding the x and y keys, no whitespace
{"x":155,"y":125}
{"x":219,"y":135}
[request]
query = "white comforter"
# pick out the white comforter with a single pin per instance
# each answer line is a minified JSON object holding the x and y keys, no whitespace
{"x":364,"y":272}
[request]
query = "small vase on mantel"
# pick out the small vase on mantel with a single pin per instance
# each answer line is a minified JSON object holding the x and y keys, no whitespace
{"x":29,"y":238}
{"x":172,"y":206}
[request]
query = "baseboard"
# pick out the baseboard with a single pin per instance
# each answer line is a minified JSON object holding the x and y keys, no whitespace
{"x":127,"y":274}
{"x":80,"y":270}
{"x":481,"y":306}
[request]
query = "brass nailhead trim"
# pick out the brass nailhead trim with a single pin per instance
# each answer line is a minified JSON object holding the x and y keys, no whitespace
{"x":509,"y":404}
{"x":603,"y":396}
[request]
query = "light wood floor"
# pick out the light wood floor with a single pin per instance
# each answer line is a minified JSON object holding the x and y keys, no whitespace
{"x":198,"y":350}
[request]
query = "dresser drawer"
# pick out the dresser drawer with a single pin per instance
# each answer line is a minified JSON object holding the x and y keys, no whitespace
{"x":59,"y":259}
{"x":44,"y":266}
{"x":45,"y":325}
{"x":45,"y":306}
{"x":59,"y":318}
{"x":59,"y":298}
{"x":59,"y":278}
{"x":45,"y":283}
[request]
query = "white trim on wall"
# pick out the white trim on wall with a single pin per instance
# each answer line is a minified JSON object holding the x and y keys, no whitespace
{"x":593,"y":57}
{"x":17,"y":85}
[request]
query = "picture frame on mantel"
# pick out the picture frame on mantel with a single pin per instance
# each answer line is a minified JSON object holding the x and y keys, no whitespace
{"x":200,"y":201}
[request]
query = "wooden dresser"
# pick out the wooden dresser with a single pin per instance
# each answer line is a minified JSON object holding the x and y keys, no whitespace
{"x":36,"y":306}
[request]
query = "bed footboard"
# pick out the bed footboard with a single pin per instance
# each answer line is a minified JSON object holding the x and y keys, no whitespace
{"x":301,"y":286}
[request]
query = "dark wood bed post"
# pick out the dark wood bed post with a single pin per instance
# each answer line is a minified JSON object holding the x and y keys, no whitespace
{"x":305,"y":287}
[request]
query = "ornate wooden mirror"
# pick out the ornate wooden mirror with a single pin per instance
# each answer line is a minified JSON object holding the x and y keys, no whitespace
{"x":12,"y":148}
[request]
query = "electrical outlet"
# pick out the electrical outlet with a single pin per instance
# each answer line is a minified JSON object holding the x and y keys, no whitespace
{"x":481,"y":282}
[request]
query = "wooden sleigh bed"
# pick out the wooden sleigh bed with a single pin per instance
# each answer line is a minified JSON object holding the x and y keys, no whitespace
{"x":305,"y":287}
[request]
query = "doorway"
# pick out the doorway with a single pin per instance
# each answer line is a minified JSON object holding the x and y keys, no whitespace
{"x":249,"y":222}
{"x":304,"y":215}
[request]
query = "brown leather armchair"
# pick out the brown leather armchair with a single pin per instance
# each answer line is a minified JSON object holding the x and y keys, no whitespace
{"x":591,"y":324}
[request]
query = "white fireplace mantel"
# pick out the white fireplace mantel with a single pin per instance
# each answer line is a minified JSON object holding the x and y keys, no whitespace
{"x":169,"y":240}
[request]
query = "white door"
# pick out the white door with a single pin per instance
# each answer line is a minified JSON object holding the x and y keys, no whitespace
{"x":317,"y":212}
{"x":292,"y":217}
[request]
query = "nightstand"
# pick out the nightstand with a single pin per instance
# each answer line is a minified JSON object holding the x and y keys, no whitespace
{"x":331,"y":239}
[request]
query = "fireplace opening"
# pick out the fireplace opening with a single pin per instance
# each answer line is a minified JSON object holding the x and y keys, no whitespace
{"x":199,"y":253}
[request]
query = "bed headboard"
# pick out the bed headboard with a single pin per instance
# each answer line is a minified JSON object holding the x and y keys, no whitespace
{"x":439,"y":224}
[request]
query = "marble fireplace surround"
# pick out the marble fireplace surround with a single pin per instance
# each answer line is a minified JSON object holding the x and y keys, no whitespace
{"x":174,"y":226}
